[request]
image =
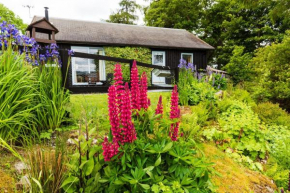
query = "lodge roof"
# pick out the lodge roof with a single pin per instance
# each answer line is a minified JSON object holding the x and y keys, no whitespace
{"x":102,"y":33}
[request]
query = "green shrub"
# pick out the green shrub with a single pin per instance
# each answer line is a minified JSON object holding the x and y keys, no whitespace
{"x":138,"y":53}
{"x":271,"y":66}
{"x":151,"y":164}
{"x":279,"y":174}
{"x":239,"y":129}
{"x":272,"y":114}
{"x":218,"y":81}
{"x":189,"y":126}
{"x":201,"y":111}
{"x":240,"y":95}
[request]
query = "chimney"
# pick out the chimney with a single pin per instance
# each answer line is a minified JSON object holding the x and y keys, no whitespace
{"x":46,"y":13}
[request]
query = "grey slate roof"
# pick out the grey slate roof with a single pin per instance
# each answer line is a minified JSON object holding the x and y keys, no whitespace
{"x":101,"y":33}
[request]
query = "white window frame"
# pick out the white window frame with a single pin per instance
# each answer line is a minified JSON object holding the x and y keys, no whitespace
{"x":163,"y":53}
{"x":161,"y":79}
{"x":191,"y":54}
{"x":102,"y":70}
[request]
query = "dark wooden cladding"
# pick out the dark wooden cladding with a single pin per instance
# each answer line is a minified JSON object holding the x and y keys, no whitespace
{"x":172,"y":57}
{"x":121,"y":60}
{"x":172,"y":60}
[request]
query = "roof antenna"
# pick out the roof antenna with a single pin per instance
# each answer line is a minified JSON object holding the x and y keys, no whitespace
{"x":29,"y":7}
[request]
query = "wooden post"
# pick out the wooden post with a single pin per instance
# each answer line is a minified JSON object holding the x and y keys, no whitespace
{"x":33,"y":32}
{"x":131,"y":66}
{"x":53,"y":35}
{"x":176,"y":74}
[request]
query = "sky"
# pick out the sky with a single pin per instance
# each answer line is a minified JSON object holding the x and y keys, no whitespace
{"x":90,"y":10}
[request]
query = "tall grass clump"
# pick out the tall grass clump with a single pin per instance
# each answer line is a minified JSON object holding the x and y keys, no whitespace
{"x":52,"y":96}
{"x":32,"y":94}
{"x":17,"y":96}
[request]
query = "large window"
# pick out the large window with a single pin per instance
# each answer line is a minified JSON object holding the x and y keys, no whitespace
{"x":188,"y":57}
{"x":88,"y":71}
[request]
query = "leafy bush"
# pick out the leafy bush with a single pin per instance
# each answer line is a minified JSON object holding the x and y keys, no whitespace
{"x":272,"y":114}
{"x":239,"y":129}
{"x":271,"y":66}
{"x":195,"y":87}
{"x":241,"y":95}
{"x":279,"y":174}
{"x":151,"y":156}
{"x":218,"y":81}
{"x":138,"y":53}
{"x":238,"y":65}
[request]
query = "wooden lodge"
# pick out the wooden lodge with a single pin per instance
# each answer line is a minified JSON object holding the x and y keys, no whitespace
{"x":89,"y":74}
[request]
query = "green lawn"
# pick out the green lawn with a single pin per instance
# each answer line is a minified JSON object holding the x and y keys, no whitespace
{"x":99,"y":102}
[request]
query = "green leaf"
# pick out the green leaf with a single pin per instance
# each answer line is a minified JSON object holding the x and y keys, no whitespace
{"x":90,"y":166}
{"x":158,"y":161}
{"x":167,"y":147}
{"x":133,"y":181}
{"x":149,"y":168}
{"x":70,"y":180}
{"x":119,"y":182}
{"x":103,"y":180}
{"x":83,"y":163}
{"x":155,"y":188}
{"x":145,"y":186}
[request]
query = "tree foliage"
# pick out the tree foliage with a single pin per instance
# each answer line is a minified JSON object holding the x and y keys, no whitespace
{"x":126,"y":14}
{"x":8,"y":15}
{"x":222,"y":23}
{"x":238,"y":66}
{"x":271,"y":66}
{"x":173,"y":14}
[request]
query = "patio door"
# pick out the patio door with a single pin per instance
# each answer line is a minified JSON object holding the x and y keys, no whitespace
{"x":158,"y":58}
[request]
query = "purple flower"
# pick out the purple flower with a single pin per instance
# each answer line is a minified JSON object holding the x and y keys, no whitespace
{"x":33,"y":51}
{"x":213,"y":81}
{"x":182,"y":63}
{"x":28,"y":59}
{"x":199,"y":75}
{"x":53,"y":46}
{"x":54,"y":53}
{"x":71,"y":52}
{"x":36,"y":63}
{"x":42,"y":58}
{"x":47,"y":54}
{"x":190,"y":66}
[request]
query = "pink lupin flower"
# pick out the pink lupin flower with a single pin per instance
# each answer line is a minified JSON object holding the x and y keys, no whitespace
{"x":135,"y":93}
{"x":113,"y":113}
{"x":159,"y":109}
{"x":109,"y":149}
{"x":118,"y":84}
{"x":128,"y":129}
{"x":174,"y":114}
{"x":143,"y":91}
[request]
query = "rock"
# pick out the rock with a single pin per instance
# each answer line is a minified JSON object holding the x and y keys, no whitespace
{"x":20,"y":167}
{"x":270,"y":190}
